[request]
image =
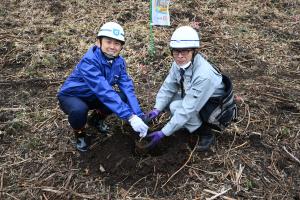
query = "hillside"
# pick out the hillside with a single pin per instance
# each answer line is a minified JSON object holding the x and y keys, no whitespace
{"x":257,"y":43}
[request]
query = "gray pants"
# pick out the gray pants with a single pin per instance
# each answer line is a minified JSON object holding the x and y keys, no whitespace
{"x":194,"y":123}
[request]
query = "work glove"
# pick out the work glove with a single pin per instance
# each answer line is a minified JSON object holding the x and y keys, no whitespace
{"x":155,"y":138}
{"x":138,"y":125}
{"x":151,"y":115}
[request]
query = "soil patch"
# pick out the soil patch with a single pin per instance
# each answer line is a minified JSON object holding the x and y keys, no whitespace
{"x":115,"y":159}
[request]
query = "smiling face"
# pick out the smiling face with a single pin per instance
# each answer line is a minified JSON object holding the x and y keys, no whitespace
{"x":110,"y":46}
{"x":182,"y":56}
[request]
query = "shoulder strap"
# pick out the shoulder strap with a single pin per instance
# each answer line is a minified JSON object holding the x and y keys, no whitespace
{"x":212,"y":64}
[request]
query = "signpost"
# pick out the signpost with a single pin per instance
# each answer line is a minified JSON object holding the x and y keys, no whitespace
{"x":159,"y":15}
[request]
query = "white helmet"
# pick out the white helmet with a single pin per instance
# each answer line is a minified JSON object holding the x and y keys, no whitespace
{"x":185,"y":37}
{"x":112,"y":30}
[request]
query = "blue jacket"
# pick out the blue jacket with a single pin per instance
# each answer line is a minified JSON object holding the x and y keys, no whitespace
{"x":94,"y":75}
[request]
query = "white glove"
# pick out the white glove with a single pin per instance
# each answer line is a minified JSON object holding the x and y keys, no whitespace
{"x":138,"y":125}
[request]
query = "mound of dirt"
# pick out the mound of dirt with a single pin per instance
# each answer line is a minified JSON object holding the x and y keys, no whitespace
{"x":115,"y":158}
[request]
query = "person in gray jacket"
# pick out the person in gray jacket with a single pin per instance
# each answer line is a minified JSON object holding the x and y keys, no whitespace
{"x":190,"y":92}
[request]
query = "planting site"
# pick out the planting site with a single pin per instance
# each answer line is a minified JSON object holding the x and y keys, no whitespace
{"x":255,"y":42}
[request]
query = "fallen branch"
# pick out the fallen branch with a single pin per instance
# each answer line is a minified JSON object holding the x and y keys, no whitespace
{"x":32,"y":81}
{"x":239,"y":146}
{"x":124,"y":196}
{"x":1,"y":183}
{"x":291,"y":155}
{"x":279,"y":98}
{"x":45,"y":196}
{"x":44,"y":122}
{"x":182,"y":165}
{"x":53,"y":191}
{"x":238,"y":177}
{"x":12,"y":196}
{"x":12,"y":109}
{"x":156,"y":183}
{"x":218,"y":194}
{"x":249,"y":117}
{"x":59,"y":192}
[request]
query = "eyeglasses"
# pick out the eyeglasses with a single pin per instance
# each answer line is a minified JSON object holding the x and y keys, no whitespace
{"x":183,"y":52}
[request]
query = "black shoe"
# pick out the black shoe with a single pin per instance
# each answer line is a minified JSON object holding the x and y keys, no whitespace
{"x":207,"y":139}
{"x":205,"y":143}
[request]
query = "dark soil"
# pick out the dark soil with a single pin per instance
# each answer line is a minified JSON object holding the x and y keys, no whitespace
{"x":255,"y":42}
{"x":124,"y":165}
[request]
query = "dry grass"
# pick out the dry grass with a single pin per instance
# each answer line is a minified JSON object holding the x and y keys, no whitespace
{"x":256,"y":42}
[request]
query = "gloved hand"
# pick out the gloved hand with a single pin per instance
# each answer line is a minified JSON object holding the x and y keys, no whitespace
{"x":138,"y":125}
{"x":151,"y":115}
{"x":155,"y":138}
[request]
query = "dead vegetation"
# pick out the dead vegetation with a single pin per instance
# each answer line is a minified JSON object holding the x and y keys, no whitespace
{"x":255,"y":42}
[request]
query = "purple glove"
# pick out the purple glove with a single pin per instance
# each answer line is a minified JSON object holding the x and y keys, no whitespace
{"x":151,"y":115}
{"x":155,"y":138}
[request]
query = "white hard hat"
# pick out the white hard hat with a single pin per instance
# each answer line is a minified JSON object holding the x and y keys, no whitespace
{"x":112,"y":30}
{"x":185,"y":37}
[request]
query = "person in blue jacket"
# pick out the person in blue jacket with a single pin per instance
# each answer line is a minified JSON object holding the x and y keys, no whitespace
{"x":91,"y":87}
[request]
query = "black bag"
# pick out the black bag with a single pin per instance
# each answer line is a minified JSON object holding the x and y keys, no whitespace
{"x":219,"y":112}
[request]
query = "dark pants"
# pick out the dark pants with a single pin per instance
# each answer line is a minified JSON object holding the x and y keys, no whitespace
{"x":77,"y":108}
{"x":219,"y":112}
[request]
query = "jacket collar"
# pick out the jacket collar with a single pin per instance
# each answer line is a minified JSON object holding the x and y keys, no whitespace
{"x":100,"y":55}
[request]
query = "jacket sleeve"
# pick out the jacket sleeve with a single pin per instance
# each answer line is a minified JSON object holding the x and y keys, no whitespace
{"x":166,"y":92}
{"x":192,"y":103}
{"x":125,"y":84}
{"x":99,"y":85}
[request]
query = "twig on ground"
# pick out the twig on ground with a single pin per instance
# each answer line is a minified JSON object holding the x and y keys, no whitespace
{"x":279,"y":98}
{"x":238,"y":177}
{"x":208,"y":172}
{"x":195,"y":173}
{"x":1,"y":183}
{"x":156,"y":183}
{"x":11,"y":196}
{"x":45,"y":196}
{"x":221,"y":194}
{"x":59,"y":192}
{"x":44,"y":122}
{"x":190,"y":156}
{"x":241,"y":145}
{"x":66,"y":185}
{"x":291,"y":155}
{"x":230,"y":148}
{"x":124,"y":196}
{"x":85,"y":196}
{"x":33,"y":81}
{"x":12,"y":109}
{"x":53,"y":191}
{"x":218,"y":194}
{"x":249,"y":117}
{"x":245,"y":113}
{"x":16,"y":163}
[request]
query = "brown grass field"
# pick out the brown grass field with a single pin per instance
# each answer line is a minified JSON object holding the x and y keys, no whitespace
{"x":255,"y":42}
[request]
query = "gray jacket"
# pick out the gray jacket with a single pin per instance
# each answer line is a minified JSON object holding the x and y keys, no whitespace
{"x":201,"y":81}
